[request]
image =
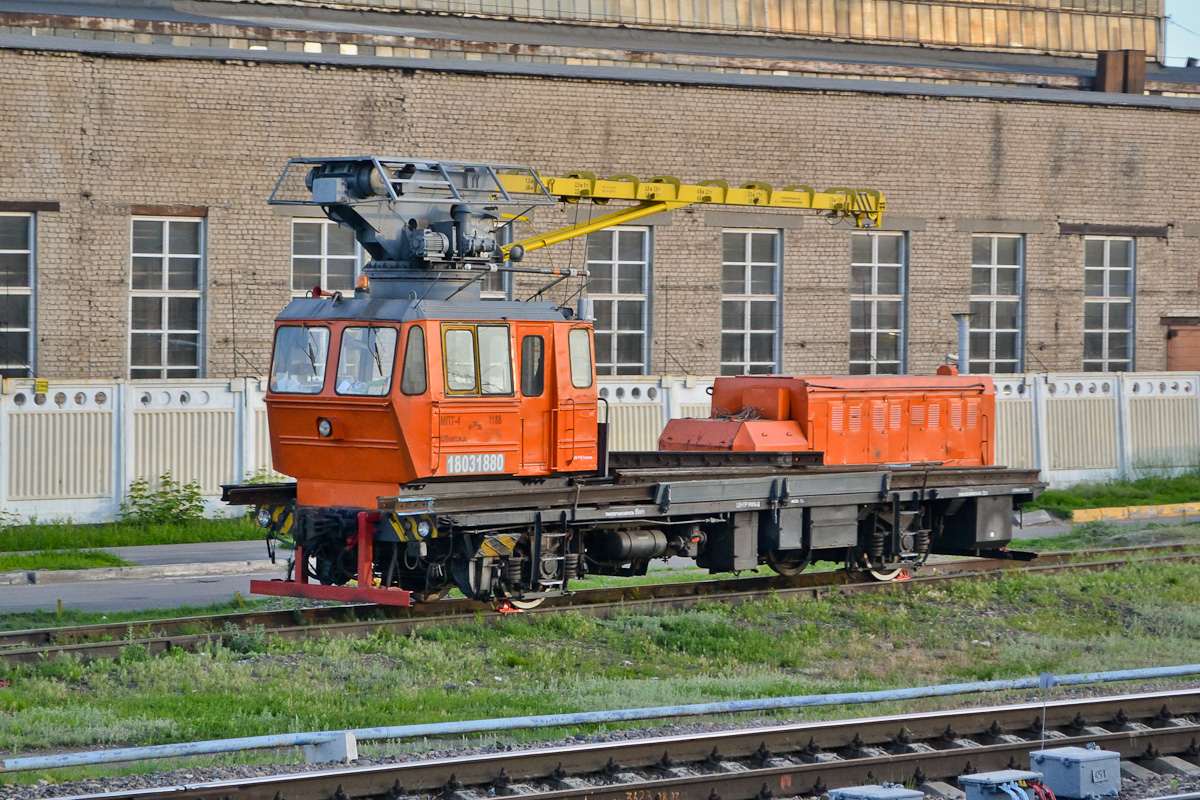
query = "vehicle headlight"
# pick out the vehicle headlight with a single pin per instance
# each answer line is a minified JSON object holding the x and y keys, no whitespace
{"x":424,"y":528}
{"x":263,"y":518}
{"x":325,"y":427}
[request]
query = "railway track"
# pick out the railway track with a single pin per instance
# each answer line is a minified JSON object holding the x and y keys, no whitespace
{"x":759,"y":763}
{"x":107,"y":640}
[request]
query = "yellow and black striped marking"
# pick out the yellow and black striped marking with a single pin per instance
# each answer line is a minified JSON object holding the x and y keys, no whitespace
{"x":408,"y":527}
{"x":499,"y":545}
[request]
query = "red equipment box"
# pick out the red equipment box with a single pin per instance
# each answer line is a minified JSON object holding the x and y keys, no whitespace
{"x":878,"y":419}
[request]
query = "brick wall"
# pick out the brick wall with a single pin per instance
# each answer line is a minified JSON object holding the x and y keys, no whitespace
{"x":101,"y":135}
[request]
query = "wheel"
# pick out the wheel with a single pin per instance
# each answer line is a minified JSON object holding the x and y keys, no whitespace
{"x":526,"y":605}
{"x":789,"y":562}
{"x":885,"y":576}
{"x":879,"y":571}
{"x":503,"y":596}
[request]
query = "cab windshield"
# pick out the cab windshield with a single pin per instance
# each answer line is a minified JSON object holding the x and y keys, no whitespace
{"x":365,"y":363}
{"x":299,"y":363}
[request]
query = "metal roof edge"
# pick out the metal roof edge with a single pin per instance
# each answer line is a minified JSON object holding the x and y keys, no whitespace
{"x":592,"y":73}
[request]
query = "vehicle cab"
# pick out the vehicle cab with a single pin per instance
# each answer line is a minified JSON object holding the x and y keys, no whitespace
{"x":366,"y":396}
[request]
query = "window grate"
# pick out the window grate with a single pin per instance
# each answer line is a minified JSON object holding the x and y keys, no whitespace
{"x":1108,"y":305}
{"x":750,"y":271}
{"x":619,"y":262}
{"x":877,"y":308}
{"x":997,"y":311}
{"x":166,"y":306}
{"x":17,"y":342}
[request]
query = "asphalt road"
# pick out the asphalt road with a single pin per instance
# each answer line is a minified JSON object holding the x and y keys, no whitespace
{"x":127,"y":595}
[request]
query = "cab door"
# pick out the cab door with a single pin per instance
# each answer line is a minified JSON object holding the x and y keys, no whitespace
{"x":535,"y":350}
{"x":575,"y":404}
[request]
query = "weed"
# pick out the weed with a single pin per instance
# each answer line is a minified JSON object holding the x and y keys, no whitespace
{"x":134,"y":652}
{"x":264,"y":475}
{"x":173,"y":501}
{"x":251,"y":639}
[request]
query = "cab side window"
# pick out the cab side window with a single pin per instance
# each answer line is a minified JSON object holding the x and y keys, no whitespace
{"x":413,"y":379}
{"x":580,"y":346}
{"x":533,"y":366}
{"x":478,"y":359}
{"x":460,"y":360}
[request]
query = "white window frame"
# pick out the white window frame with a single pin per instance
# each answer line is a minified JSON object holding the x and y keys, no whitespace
{"x":1106,"y":363}
{"x":983,"y":326}
{"x":607,"y":363}
{"x":26,"y":362}
{"x":166,"y":294}
{"x":323,"y":257}
{"x":745,"y":365}
{"x":868,"y":293}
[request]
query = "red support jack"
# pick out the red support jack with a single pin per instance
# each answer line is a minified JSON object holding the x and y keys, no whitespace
{"x":297,"y":585}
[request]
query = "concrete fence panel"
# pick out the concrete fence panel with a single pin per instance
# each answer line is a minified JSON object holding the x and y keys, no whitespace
{"x":1164,"y":421}
{"x":60,"y":449}
{"x":191,"y":432}
{"x":71,"y":448}
{"x":1016,"y":437}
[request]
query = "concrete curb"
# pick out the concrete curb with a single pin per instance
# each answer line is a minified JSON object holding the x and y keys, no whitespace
{"x":1135,"y":512}
{"x":157,"y":572}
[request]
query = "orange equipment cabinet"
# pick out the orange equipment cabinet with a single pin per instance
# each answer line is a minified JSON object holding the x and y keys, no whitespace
{"x":878,"y":419}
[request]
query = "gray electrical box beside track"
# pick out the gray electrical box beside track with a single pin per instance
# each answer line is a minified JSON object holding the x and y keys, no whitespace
{"x":1079,"y":772}
{"x":987,"y":785}
{"x":875,"y":793}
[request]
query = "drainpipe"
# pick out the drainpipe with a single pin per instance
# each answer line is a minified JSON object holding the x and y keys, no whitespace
{"x":963,"y":318}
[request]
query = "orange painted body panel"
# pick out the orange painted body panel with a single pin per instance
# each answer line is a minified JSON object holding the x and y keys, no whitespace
{"x":379,"y":443}
{"x":892,"y":419}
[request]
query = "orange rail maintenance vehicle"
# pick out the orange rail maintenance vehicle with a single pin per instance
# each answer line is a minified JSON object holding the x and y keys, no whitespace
{"x":439,"y":440}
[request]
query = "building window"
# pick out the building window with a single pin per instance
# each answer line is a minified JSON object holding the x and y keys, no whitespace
{"x":324,"y":254}
{"x":498,"y":285}
{"x":16,"y":295}
{"x":492,"y":286}
{"x":1108,"y":265}
{"x":749,"y":302}
{"x":619,"y":262}
{"x":167,"y":304}
{"x":877,"y":314}
{"x":996,"y":288}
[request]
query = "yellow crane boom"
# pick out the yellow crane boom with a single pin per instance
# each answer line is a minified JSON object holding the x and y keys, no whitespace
{"x":864,"y":207}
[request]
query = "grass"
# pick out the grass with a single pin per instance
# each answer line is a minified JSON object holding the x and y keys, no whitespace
{"x":60,"y":559}
{"x":1017,"y":626}
{"x":69,"y":536}
{"x":1149,"y":491}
